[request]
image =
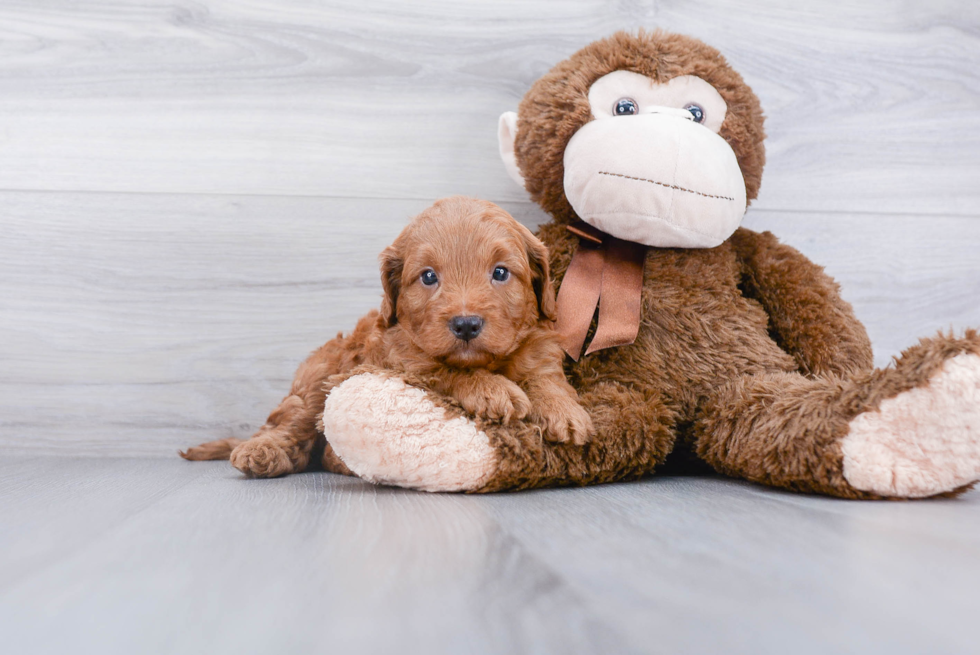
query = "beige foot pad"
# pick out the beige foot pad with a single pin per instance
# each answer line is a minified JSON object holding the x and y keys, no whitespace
{"x":922,"y":442}
{"x":388,"y":432}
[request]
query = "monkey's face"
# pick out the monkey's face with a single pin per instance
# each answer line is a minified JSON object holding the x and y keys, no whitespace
{"x":647,"y":158}
{"x":651,"y":168}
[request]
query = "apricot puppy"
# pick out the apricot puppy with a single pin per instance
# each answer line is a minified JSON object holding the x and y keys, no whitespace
{"x":468,"y":310}
{"x":470,"y":307}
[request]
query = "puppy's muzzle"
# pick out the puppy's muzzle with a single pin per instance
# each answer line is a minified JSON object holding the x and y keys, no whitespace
{"x":466,"y":328}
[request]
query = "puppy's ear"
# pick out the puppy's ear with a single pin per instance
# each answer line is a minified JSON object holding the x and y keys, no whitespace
{"x":391,"y":282}
{"x":537,"y":255}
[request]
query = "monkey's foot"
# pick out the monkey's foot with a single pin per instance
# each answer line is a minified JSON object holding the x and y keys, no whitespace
{"x":922,"y":442}
{"x":388,"y":432}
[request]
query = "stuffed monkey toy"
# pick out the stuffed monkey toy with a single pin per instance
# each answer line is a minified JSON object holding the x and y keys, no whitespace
{"x":702,"y":340}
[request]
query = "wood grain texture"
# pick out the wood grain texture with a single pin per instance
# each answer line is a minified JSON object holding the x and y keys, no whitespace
{"x":309,"y":563}
{"x":166,"y":556}
{"x":193,"y":196}
{"x":871,"y":108}
{"x":139,"y":323}
{"x":150,"y":320}
{"x":716,"y":565}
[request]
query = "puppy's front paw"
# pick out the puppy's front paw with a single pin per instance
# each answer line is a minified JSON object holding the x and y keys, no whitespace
{"x":261,"y":458}
{"x":497,"y":400}
{"x":580,"y":426}
{"x":564,"y":420}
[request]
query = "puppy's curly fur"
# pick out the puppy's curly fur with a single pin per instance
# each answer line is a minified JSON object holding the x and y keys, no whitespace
{"x":468,"y":310}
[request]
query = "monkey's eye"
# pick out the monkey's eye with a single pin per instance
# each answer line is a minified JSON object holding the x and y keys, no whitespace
{"x":501,"y":274}
{"x":428,"y":277}
{"x":625,"y":107}
{"x":697,"y":111}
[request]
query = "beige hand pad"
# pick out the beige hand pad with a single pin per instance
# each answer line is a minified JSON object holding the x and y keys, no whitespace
{"x":388,"y":432}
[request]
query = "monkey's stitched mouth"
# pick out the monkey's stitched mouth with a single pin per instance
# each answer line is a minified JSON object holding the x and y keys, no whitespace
{"x":669,"y":186}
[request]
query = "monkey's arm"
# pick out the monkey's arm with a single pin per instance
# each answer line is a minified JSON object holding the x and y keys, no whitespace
{"x":807,"y":316}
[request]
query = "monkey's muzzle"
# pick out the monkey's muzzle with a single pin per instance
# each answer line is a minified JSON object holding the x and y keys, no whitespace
{"x":659,"y":179}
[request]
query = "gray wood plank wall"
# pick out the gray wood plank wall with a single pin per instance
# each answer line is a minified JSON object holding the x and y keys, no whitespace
{"x":193,"y":194}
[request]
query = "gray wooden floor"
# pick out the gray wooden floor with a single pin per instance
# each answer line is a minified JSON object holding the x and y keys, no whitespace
{"x":160,"y":556}
{"x":192,"y":197}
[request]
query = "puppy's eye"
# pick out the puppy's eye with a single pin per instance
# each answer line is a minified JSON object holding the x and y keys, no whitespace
{"x":625,"y":107}
{"x":696,"y":111}
{"x":428,"y":277}
{"x":501,"y":274}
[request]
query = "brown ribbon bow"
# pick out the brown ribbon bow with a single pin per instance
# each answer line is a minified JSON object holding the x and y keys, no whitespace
{"x":604,"y":271}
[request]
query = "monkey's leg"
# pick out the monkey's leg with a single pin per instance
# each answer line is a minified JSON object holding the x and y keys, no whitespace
{"x":911,"y":430}
{"x":389,"y":431}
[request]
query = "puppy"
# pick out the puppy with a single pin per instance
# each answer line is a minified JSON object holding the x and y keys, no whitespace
{"x":468,"y":309}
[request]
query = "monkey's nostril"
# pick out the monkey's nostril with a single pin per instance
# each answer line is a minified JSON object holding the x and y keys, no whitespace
{"x":466,"y":327}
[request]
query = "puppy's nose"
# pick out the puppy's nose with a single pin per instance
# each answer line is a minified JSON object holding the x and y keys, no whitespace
{"x":466,"y":327}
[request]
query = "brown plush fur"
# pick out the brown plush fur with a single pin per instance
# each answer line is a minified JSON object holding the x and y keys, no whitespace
{"x":510,"y":371}
{"x":747,"y":358}
{"x":799,"y":422}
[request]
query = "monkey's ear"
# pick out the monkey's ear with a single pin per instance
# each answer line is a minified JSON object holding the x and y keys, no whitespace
{"x":537,"y":256}
{"x":391,"y":282}
{"x":506,"y":133}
